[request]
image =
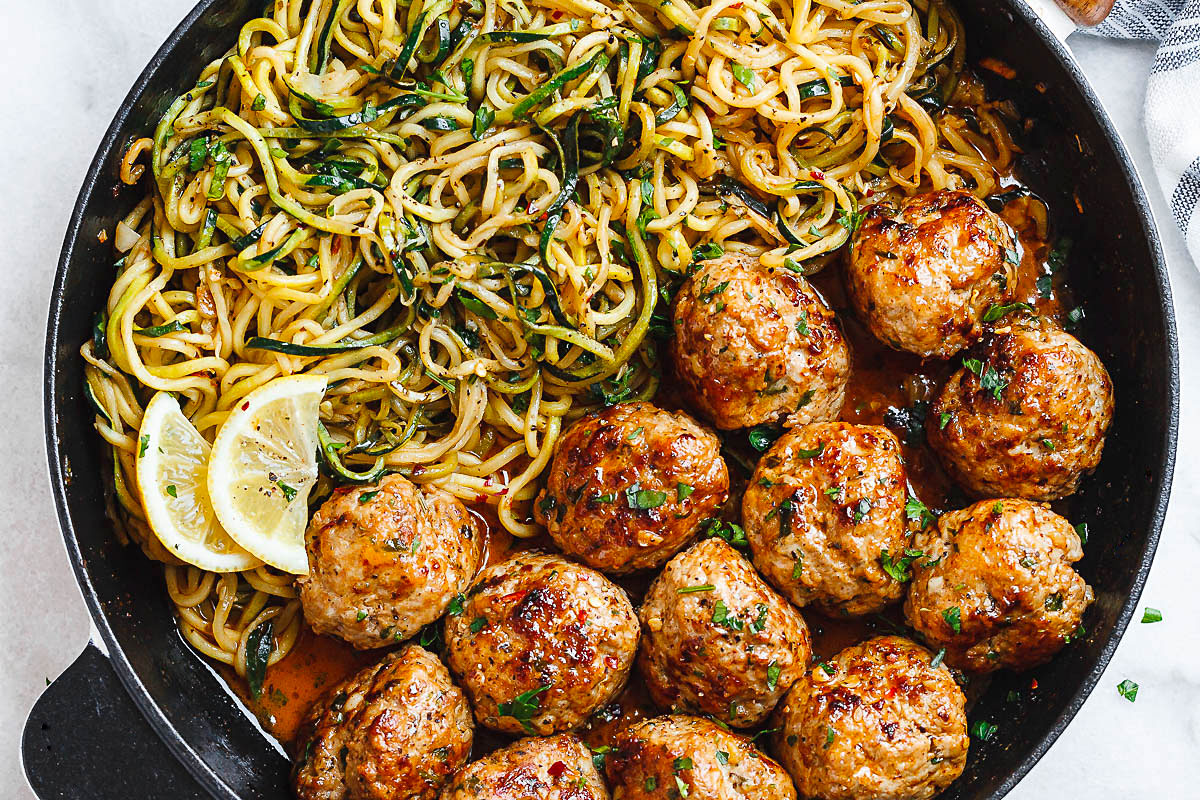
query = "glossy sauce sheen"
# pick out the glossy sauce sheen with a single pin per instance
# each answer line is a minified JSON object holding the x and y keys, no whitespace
{"x":883,"y":384}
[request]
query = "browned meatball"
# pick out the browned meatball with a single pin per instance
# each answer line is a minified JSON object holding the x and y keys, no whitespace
{"x":694,"y":758}
{"x":541,"y":643}
{"x":996,"y":587}
{"x":824,"y":503}
{"x":394,"y":731}
{"x":717,"y":640}
{"x":386,"y":560}
{"x":630,"y":485}
{"x":1026,"y":417}
{"x":753,"y":344}
{"x":553,"y":768}
{"x":922,"y":273}
{"x":878,"y":721}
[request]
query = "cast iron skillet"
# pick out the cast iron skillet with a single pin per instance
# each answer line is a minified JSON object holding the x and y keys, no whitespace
{"x":184,"y":735}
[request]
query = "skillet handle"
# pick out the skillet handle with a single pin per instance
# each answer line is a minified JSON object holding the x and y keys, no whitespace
{"x":85,"y":738}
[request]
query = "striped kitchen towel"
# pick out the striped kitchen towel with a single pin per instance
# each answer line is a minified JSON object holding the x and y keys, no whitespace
{"x":1172,"y":109}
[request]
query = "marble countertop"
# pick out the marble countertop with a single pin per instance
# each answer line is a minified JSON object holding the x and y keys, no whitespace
{"x":66,"y":67}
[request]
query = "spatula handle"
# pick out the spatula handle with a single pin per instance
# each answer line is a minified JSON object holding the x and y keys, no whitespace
{"x":1086,"y":12}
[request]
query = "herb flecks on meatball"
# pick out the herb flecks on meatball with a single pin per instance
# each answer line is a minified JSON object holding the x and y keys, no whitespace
{"x":541,"y":643}
{"x":716,"y":639}
{"x":396,"y":730}
{"x":995,"y":586}
{"x":535,"y":768}
{"x":1025,"y":415}
{"x":922,"y":273}
{"x":755,"y":345}
{"x":679,"y":756}
{"x":385,"y":560}
{"x":630,"y":486}
{"x":881,"y":719}
{"x":823,"y":506}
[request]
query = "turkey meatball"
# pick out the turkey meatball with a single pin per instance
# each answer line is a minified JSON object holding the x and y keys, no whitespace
{"x":541,"y":643}
{"x":825,"y":502}
{"x":996,"y":587}
{"x":394,"y":731}
{"x":717,"y":640}
{"x":553,"y":768}
{"x":754,"y":344}
{"x":921,"y":274}
{"x":1026,"y":418}
{"x":630,"y":485}
{"x":692,"y":757}
{"x":385,"y":560}
{"x":878,"y":721}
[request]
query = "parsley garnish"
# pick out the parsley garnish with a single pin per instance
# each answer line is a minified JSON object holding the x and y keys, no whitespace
{"x":983,"y":730}
{"x":899,"y":568}
{"x":1128,"y":689}
{"x":953,"y":617}
{"x":1151,"y":615}
{"x":522,"y":707}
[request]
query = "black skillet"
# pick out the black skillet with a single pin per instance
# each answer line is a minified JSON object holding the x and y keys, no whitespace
{"x":153,"y":720}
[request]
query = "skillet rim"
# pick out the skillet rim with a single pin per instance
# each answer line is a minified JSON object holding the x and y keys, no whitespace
{"x":213,"y":783}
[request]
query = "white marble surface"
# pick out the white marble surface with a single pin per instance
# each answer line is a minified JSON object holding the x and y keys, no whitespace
{"x":67,"y":64}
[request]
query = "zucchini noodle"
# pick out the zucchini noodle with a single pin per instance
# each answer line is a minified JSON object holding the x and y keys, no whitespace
{"x":471,"y":215}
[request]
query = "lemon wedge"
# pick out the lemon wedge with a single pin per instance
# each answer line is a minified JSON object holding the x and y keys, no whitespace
{"x":172,"y":475}
{"x":263,"y":464}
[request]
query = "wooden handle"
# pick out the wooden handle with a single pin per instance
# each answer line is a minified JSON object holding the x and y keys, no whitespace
{"x":1086,"y":12}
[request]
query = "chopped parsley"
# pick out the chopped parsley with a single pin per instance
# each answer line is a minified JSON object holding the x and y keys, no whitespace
{"x":1151,"y":615}
{"x":171,"y":490}
{"x":1128,"y":689}
{"x":523,"y":706}
{"x":683,"y":491}
{"x":703,"y":587}
{"x":289,"y":494}
{"x":936,"y":661}
{"x":898,"y":568}
{"x":916,"y":511}
{"x":996,"y":311}
{"x":953,"y":617}
{"x":367,"y":497}
{"x":721,"y":616}
{"x":478,"y":624}
{"x":762,"y":437}
{"x":644,"y":499}
{"x":773,"y":671}
{"x":830,"y":735}
{"x":744,"y":76}
{"x":722,"y":757}
{"x":983,"y":730}
{"x":145,"y":442}
{"x":456,"y":604}
{"x":760,"y":622}
{"x":731,"y":532}
{"x":816,"y":451}
{"x":1082,"y":530}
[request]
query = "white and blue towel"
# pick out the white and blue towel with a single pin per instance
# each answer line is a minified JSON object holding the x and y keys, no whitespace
{"x":1172,"y":109}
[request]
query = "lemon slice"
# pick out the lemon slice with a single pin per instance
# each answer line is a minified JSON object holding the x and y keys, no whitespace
{"x":263,"y":464}
{"x":172,"y":475}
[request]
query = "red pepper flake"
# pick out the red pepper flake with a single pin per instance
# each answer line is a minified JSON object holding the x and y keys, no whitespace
{"x":582,"y":615}
{"x":543,"y":216}
{"x":514,"y":597}
{"x":611,"y":662}
{"x":245,"y":405}
{"x":337,"y":245}
{"x":557,"y":768}
{"x":418,"y":469}
{"x":1033,"y":684}
{"x":870,"y":192}
{"x":818,"y":175}
{"x":556,"y":14}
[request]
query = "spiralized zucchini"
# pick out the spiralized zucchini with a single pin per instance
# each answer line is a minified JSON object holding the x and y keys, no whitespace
{"x":471,"y":216}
